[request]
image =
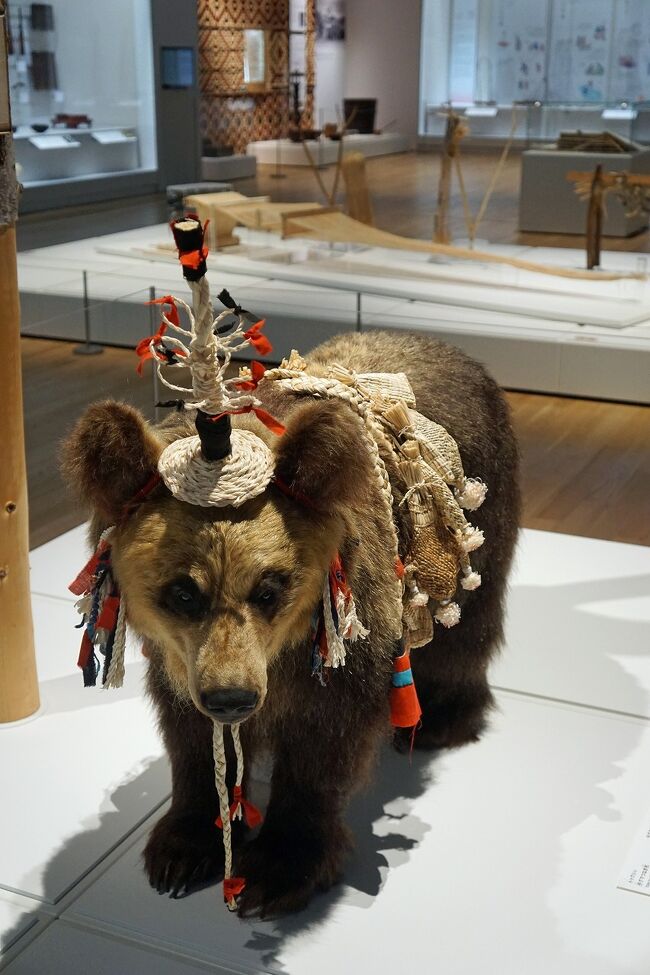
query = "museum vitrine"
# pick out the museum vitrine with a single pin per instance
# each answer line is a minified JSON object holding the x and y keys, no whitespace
{"x":556,"y":63}
{"x":81,"y":81}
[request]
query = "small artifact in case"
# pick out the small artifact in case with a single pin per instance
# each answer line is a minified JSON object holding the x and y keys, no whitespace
{"x":43,"y":69}
{"x":71,"y":121}
{"x":42,"y":16}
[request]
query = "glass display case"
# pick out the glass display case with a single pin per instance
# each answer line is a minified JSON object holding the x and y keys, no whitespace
{"x":81,"y":82}
{"x":556,"y":63}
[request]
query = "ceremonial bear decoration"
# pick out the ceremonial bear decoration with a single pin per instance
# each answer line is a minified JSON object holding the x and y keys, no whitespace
{"x":282,"y":543}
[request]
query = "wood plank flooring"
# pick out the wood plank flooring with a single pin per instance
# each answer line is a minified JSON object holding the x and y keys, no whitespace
{"x":585,"y":464}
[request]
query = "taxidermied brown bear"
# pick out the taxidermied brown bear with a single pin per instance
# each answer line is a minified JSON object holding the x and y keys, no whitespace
{"x":224,"y":599}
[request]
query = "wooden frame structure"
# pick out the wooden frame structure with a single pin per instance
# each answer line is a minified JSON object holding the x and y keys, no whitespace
{"x":632,"y":189}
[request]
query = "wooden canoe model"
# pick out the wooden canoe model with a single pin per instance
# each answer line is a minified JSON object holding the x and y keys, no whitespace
{"x":329,"y":224}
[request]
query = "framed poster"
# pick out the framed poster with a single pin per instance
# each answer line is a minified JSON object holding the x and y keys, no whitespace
{"x":255,"y":61}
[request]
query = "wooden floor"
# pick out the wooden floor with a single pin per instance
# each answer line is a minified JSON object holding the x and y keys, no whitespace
{"x":585,"y":464}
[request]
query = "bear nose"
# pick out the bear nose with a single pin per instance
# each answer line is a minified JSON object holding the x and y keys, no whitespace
{"x":230,"y":703}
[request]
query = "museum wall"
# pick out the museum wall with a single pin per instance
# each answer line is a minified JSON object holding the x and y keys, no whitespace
{"x":382,"y":58}
{"x":229,"y":116}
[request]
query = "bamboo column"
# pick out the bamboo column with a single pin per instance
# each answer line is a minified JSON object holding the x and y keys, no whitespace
{"x":18,"y":681}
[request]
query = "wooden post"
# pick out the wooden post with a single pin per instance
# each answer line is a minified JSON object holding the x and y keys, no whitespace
{"x":454,"y":132}
{"x":595,"y":219}
{"x":356,"y":188}
{"x":18,"y":682}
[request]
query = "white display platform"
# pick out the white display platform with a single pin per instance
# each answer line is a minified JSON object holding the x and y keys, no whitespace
{"x":284,"y":152}
{"x":501,"y":857}
{"x":534,"y":332}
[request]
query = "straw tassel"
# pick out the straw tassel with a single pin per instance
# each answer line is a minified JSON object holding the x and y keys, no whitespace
{"x":448,"y":614}
{"x":472,"y":494}
{"x":471,"y":581}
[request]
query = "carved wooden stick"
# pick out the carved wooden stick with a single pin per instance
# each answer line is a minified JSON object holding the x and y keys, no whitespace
{"x":595,"y":219}
{"x":18,"y":682}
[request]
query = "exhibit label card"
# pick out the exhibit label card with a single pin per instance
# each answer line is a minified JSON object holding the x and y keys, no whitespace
{"x":635,"y":875}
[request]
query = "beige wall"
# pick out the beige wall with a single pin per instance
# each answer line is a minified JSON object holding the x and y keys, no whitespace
{"x":382,"y":59}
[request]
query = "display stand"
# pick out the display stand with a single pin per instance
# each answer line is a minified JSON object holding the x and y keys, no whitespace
{"x":18,"y":682}
{"x":278,"y":174}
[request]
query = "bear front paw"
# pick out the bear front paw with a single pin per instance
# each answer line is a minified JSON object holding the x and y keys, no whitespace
{"x":183,"y":853}
{"x":283,"y":869}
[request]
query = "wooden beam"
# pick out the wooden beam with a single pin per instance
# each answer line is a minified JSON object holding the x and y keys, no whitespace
{"x":18,"y":681}
{"x":356,"y":188}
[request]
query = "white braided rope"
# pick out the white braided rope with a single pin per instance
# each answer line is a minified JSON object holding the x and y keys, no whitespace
{"x":335,"y":645}
{"x":207,"y":357}
{"x":239,"y":753}
{"x":301,"y":382}
{"x":242,"y":475}
{"x":219,"y":752}
{"x":115,"y":676}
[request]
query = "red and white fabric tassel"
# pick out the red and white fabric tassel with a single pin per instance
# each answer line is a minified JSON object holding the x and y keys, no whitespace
{"x":339,"y":615}
{"x":240,"y":808}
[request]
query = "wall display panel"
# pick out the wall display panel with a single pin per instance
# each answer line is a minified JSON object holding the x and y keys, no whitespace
{"x":81,"y":109}
{"x":330,"y":61}
{"x":566,"y":54}
{"x":463,"y":45}
{"x":630,"y":56}
{"x":511,"y":62}
{"x":580,"y":46}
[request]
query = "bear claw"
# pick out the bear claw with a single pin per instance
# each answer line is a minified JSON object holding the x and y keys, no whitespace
{"x":183,"y":853}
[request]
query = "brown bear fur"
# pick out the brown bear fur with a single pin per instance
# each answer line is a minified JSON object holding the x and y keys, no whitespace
{"x":256,"y":574}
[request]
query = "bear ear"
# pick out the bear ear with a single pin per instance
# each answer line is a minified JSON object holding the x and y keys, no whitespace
{"x":322,"y":458}
{"x":109,"y":456}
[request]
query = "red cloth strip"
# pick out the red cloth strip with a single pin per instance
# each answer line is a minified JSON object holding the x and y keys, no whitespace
{"x":257,"y":374}
{"x":294,"y":495}
{"x":85,"y":652}
{"x":172,"y":314}
{"x":84,"y":581}
{"x":252,"y":816}
{"x":269,"y":421}
{"x":141,"y":495}
{"x":233,"y":887}
{"x":194,"y":258}
{"x":405,"y":710}
{"x":259,"y":342}
{"x":107,"y":619}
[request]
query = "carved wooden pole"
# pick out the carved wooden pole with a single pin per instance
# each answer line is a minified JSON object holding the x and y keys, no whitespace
{"x":454,"y":132}
{"x":18,"y":682}
{"x":595,"y":219}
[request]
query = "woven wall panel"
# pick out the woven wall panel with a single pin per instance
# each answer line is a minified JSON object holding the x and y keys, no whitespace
{"x":238,"y":121}
{"x":230,"y":116}
{"x":222,"y":14}
{"x":278,"y":58}
{"x":309,"y":80}
{"x":221,"y":62}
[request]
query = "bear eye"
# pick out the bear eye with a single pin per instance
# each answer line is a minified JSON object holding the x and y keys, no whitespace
{"x":267,"y":594}
{"x":183,"y":597}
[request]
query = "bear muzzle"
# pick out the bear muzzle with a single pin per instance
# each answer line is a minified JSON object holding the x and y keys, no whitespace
{"x":229,"y":705}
